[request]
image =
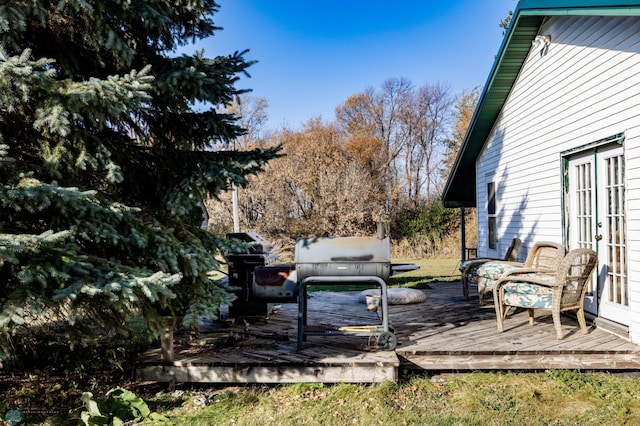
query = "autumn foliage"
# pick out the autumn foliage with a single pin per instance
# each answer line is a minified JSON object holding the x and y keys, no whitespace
{"x":383,"y":159}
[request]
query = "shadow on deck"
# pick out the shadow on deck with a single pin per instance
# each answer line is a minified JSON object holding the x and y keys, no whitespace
{"x":443,"y":334}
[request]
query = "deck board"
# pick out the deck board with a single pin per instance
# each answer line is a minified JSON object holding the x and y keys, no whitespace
{"x":445,"y":333}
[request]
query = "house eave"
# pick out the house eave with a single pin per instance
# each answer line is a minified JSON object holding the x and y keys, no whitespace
{"x":460,"y":189}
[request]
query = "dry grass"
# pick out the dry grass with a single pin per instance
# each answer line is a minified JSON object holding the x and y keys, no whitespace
{"x":556,"y":397}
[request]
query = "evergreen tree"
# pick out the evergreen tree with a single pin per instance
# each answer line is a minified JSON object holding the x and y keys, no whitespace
{"x":105,"y":161}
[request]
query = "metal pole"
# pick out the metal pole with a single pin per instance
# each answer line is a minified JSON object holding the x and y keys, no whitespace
{"x":463,"y":236}
{"x":234,"y":202}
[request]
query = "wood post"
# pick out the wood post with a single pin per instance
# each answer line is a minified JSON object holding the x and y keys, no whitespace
{"x":166,"y":340}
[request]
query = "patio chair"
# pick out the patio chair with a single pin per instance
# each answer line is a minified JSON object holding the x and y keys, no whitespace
{"x":469,"y":268}
{"x":543,"y":255}
{"x":560,"y":291}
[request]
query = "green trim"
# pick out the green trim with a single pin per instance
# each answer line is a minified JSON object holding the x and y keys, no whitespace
{"x":550,"y":5}
{"x":619,"y":139}
{"x":615,"y":11}
{"x":460,"y":188}
{"x":565,"y":197}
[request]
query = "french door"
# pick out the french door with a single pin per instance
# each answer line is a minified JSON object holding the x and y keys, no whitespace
{"x":595,"y":187}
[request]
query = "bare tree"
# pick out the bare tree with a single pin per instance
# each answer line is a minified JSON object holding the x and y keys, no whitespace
{"x":504,"y":24}
{"x":383,"y":153}
{"x":432,"y":116}
{"x":252,"y":116}
{"x":410,"y":125}
{"x":377,"y":116}
{"x":322,"y":186}
{"x":252,"y":113}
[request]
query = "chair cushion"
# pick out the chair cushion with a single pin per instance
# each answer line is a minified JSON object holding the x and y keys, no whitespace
{"x":494,"y":270}
{"x":473,"y":265}
{"x":527,"y":288}
{"x":472,"y":273}
{"x":489,"y":273}
{"x":527,"y":295}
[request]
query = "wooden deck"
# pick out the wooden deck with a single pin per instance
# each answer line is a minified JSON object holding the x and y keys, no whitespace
{"x":443,"y":334}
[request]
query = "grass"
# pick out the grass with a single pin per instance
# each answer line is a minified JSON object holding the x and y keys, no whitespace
{"x":556,"y":397}
{"x":431,"y":271}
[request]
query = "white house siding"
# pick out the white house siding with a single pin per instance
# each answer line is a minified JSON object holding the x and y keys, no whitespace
{"x":632,"y":156}
{"x":584,"y":89}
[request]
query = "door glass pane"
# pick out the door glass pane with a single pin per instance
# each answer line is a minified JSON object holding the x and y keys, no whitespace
{"x":585,"y":214}
{"x":584,"y":204}
{"x":616,"y":236}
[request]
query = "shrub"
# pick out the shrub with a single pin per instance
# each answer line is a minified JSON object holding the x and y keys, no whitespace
{"x":120,"y":406}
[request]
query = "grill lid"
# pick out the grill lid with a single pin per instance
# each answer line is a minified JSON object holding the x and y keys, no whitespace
{"x":259,"y":244}
{"x":343,"y":256}
{"x":342,"y":249}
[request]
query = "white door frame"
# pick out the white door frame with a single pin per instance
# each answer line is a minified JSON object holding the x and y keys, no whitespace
{"x":594,"y":190}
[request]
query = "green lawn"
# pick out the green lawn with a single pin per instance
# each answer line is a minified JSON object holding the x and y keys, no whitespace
{"x":431,"y":270}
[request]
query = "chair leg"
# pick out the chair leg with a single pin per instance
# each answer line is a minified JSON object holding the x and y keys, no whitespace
{"x":499,"y":311}
{"x":482,"y":290}
{"x":557,"y":324}
{"x":465,"y":287}
{"x":581,"y":321}
{"x":532,"y":316}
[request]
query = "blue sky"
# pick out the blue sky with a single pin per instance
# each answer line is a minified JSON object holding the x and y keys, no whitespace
{"x":312,"y":55}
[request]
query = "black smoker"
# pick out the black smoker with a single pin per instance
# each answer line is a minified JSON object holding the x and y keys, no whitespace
{"x":241,"y":267}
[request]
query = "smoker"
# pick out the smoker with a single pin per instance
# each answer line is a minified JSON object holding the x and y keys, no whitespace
{"x":340,"y":260}
{"x":241,"y":269}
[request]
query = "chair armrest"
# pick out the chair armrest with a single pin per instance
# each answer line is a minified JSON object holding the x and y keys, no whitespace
{"x":530,"y":278}
{"x":476,"y":261}
{"x":482,"y":259}
{"x":507,"y":262}
{"x":528,"y":271}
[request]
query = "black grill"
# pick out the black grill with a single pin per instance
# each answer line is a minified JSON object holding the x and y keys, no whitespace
{"x":241,"y":266}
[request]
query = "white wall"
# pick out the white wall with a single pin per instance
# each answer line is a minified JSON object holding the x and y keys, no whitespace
{"x":632,"y":155}
{"x":584,"y":89}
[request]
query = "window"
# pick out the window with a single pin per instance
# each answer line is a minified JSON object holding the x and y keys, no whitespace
{"x":491,"y":216}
